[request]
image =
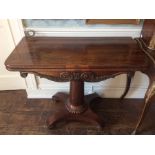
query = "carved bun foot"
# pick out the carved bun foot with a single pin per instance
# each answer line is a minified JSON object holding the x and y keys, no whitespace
{"x":63,"y":115}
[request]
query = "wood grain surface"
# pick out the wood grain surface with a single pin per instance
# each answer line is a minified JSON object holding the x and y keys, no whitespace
{"x":19,"y":116}
{"x":118,"y":53}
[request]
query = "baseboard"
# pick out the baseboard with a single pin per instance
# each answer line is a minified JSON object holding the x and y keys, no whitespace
{"x":11,"y":82}
{"x":104,"y":92}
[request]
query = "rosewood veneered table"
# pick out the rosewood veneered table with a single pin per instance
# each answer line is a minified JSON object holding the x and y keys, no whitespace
{"x":78,"y":60}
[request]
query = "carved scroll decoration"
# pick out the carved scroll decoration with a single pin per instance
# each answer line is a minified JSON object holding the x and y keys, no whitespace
{"x":23,"y":74}
{"x":69,"y":76}
{"x":83,"y":76}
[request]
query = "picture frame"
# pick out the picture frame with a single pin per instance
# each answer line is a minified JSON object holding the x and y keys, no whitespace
{"x":113,"y":21}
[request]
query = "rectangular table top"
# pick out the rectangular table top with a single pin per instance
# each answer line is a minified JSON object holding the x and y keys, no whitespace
{"x":77,"y":53}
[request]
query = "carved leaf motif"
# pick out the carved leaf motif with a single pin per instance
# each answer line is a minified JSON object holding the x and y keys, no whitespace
{"x":83,"y":76}
{"x":77,"y":75}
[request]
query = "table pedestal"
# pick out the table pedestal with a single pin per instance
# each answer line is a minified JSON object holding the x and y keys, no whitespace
{"x":74,"y":107}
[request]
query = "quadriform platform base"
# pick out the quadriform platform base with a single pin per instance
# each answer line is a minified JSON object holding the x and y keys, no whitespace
{"x":78,"y":60}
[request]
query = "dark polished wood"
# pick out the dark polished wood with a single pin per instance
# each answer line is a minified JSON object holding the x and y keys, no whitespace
{"x":74,"y":108}
{"x":78,"y":60}
{"x":148,"y":33}
{"x":45,"y":54}
{"x":74,"y":103}
{"x":22,"y":116}
{"x":128,"y":83}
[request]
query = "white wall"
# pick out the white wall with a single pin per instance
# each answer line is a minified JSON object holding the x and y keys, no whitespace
{"x":8,"y":80}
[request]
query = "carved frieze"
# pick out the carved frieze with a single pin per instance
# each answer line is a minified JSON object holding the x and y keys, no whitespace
{"x":83,"y":76}
{"x":71,"y":75}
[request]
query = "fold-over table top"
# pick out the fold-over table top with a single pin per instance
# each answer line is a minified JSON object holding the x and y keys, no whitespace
{"x":77,"y":53}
